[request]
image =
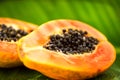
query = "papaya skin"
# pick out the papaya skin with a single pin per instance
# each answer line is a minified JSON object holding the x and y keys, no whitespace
{"x":60,"y":66}
{"x":8,"y":50}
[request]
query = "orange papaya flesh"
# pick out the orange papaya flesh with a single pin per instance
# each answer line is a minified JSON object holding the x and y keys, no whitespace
{"x":58,"y":65}
{"x":8,"y":50}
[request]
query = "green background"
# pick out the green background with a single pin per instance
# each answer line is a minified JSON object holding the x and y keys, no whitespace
{"x":104,"y":15}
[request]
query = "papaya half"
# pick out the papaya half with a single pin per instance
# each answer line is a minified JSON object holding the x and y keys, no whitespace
{"x":36,"y":54}
{"x":8,"y":46}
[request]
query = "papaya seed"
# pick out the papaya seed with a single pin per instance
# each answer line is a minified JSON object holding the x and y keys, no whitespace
{"x":10,"y":34}
{"x":72,"y":41}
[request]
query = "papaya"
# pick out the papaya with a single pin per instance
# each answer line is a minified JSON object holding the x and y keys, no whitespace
{"x":10,"y":30}
{"x":66,"y":50}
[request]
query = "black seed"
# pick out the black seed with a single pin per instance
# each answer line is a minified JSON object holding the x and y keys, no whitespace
{"x":1,"y":38}
{"x":58,"y":36}
{"x":85,"y":32}
{"x":12,"y":33}
{"x":7,"y":33}
{"x":70,"y":30}
{"x":52,"y":38}
{"x":64,"y":30}
{"x":72,"y":41}
{"x":18,"y":36}
{"x":93,"y":48}
{"x":9,"y":29}
{"x":9,"y":39}
{"x":22,"y":32}
{"x":4,"y":31}
{"x":3,"y":26}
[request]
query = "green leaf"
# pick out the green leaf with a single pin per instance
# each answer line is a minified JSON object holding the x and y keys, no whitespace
{"x":104,"y":15}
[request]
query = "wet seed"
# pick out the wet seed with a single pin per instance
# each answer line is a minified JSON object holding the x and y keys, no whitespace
{"x":7,"y":33}
{"x":72,"y":41}
{"x":3,"y":26}
{"x":64,"y":30}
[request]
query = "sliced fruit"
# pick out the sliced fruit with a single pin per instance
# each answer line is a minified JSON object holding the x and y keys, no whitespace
{"x":10,"y":31}
{"x":41,"y":51}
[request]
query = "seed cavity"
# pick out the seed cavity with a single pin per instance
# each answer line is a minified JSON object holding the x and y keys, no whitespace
{"x":10,"y":34}
{"x":72,"y":42}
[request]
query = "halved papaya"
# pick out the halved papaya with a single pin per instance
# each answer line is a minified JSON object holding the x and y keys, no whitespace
{"x":8,"y":46}
{"x":65,"y":66}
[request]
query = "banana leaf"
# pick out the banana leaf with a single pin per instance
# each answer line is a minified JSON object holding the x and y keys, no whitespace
{"x":103,"y":15}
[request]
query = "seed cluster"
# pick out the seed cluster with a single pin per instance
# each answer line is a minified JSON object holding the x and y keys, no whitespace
{"x":10,"y":34}
{"x":72,"y":41}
